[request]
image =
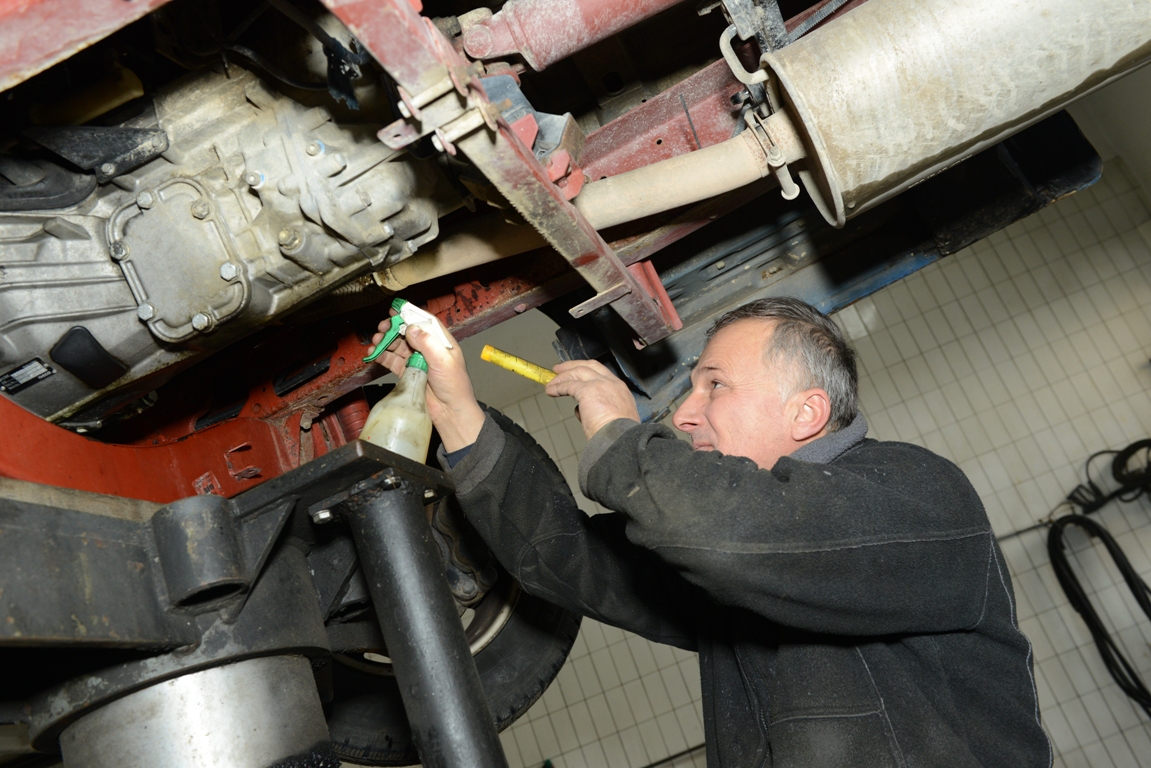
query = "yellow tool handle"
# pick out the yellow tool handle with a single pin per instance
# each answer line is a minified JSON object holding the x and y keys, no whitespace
{"x":517,"y":365}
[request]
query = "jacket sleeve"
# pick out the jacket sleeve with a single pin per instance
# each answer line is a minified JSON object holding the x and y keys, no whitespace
{"x":522,"y":507}
{"x":889,"y":539}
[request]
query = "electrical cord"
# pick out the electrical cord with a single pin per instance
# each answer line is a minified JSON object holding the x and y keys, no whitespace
{"x":1117,"y":664}
{"x":1088,"y":498}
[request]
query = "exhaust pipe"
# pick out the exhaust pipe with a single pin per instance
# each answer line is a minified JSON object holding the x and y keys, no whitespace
{"x":898,"y":90}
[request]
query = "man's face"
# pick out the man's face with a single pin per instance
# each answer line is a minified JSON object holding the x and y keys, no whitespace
{"x":736,"y":405}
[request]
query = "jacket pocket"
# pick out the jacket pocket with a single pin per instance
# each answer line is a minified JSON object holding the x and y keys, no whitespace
{"x":839,"y":741}
{"x":822,"y":707}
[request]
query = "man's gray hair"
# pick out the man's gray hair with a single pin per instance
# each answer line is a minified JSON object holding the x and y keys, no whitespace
{"x":813,"y":344}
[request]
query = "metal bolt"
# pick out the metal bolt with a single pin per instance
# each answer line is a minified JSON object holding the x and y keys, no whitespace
{"x":289,"y":238}
{"x":439,"y":145}
{"x":403,"y":109}
{"x":520,"y":308}
{"x":720,"y":264}
{"x":157,"y":142}
{"x":145,"y":200}
{"x":118,"y":250}
{"x":201,"y":322}
{"x":321,"y":516}
{"x":429,"y":493}
{"x":145,"y":311}
{"x":314,"y":148}
{"x":389,"y":483}
{"x":253,"y":178}
{"x":229,"y":271}
{"x":107,"y":169}
{"x":201,"y":209}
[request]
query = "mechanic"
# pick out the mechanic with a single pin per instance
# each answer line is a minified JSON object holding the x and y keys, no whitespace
{"x":847,"y":597}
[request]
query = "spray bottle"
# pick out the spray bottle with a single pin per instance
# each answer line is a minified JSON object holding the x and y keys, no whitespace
{"x":400,"y":422}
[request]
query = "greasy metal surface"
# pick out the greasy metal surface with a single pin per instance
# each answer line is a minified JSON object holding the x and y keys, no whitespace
{"x":660,"y":128}
{"x":513,"y":169}
{"x":500,"y":156}
{"x":279,"y":616}
{"x":545,"y":31}
{"x":260,"y":205}
{"x":870,"y":88}
{"x":452,"y":724}
{"x":249,"y":714}
{"x":70,"y":576}
{"x":35,"y":34}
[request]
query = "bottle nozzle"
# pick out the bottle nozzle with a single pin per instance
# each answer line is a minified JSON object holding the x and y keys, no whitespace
{"x":413,"y":315}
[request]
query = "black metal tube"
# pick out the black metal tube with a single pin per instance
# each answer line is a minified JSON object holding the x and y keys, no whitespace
{"x":451,"y":722}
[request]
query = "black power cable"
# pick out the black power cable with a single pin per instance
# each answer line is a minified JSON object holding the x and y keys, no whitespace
{"x":1089,"y":497}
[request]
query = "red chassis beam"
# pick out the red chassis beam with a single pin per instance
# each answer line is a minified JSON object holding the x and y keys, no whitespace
{"x":35,"y":34}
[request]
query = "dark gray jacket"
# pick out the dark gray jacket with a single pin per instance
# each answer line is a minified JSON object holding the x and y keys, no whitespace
{"x":850,"y":607}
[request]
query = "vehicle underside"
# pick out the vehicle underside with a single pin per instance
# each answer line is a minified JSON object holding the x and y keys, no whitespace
{"x":206,"y":208}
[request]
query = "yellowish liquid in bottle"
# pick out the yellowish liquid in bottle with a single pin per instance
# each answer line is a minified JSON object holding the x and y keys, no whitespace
{"x":400,"y":422}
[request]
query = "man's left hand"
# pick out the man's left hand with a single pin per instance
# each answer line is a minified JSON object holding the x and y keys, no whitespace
{"x":600,"y":397}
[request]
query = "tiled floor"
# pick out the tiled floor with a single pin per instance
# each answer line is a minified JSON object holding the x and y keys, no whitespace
{"x":1016,"y":359}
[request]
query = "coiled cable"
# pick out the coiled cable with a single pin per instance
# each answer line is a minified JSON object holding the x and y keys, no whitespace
{"x":1089,"y":497}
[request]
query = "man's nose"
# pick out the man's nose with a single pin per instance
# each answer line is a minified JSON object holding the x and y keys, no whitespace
{"x":687,"y":416}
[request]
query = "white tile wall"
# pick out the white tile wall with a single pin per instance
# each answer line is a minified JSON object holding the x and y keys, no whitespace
{"x":1016,"y":359}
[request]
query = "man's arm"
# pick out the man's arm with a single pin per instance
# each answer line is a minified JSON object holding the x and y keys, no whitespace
{"x":889,"y":540}
{"x":522,"y":507}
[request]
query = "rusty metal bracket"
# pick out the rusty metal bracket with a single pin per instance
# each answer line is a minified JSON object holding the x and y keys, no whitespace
{"x":419,"y":59}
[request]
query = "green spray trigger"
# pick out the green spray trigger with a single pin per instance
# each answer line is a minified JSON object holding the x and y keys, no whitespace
{"x":409,"y":315}
{"x":389,"y":336}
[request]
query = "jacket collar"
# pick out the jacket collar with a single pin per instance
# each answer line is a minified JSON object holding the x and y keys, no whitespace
{"x":834,"y":444}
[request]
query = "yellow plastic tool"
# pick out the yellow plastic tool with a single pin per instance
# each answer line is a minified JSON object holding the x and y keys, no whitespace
{"x":517,"y":365}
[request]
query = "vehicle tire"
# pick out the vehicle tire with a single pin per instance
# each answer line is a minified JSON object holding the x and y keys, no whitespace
{"x":366,"y":715}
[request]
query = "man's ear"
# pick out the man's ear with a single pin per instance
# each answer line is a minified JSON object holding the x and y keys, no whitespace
{"x":811,"y":415}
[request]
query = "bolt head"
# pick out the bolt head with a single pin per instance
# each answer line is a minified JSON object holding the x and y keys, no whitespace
{"x":389,"y":483}
{"x":289,"y":238}
{"x":107,"y":169}
{"x":118,"y":250}
{"x":201,"y":322}
{"x":429,"y":494}
{"x":157,"y":142}
{"x":201,"y":209}
{"x":314,"y":148}
{"x":439,"y":145}
{"x":321,"y":516}
{"x":145,"y":200}
{"x":253,"y":178}
{"x":229,"y":271}
{"x":145,"y":311}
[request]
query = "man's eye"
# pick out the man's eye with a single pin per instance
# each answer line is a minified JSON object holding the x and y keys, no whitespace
{"x":716,"y":384}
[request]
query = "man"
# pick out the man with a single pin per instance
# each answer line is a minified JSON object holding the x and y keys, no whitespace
{"x":847,"y":598}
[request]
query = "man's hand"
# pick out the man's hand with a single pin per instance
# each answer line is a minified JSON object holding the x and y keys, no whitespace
{"x":451,"y":402}
{"x":600,"y":397}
